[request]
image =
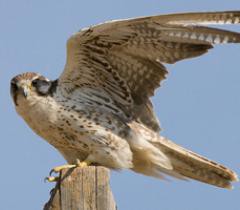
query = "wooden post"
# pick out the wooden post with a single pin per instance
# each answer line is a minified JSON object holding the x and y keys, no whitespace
{"x":85,"y":188}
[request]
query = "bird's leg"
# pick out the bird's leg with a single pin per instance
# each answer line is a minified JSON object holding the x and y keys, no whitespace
{"x":82,"y":164}
{"x":57,"y":169}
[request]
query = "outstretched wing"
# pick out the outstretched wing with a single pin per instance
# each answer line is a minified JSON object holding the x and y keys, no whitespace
{"x":124,"y":58}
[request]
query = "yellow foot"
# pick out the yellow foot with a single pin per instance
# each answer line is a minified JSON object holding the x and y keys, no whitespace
{"x":51,"y":179}
{"x":59,"y":168}
{"x":82,"y":164}
{"x":67,"y":166}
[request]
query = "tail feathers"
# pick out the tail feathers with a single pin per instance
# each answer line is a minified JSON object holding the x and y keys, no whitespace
{"x":188,"y":164}
{"x":156,"y":171}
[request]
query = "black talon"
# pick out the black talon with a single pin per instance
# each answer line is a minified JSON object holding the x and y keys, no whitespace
{"x":45,"y":179}
{"x":51,"y":172}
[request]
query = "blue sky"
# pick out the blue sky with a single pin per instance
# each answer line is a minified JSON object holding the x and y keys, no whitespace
{"x":198,"y":105}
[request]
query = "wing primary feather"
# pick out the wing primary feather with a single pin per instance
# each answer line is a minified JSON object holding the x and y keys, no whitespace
{"x":203,"y":18}
{"x":198,"y":35}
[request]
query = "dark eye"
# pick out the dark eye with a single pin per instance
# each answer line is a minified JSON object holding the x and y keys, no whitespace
{"x":42,"y":86}
{"x":35,"y":82}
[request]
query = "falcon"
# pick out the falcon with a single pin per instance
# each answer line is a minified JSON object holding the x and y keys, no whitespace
{"x":98,"y":112}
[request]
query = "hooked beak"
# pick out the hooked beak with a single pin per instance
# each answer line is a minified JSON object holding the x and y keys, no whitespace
{"x":26,"y":90}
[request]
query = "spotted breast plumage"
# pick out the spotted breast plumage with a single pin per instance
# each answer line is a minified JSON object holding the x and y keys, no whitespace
{"x":99,"y":112}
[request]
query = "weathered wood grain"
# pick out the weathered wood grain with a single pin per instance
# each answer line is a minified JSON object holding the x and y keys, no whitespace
{"x":85,"y":188}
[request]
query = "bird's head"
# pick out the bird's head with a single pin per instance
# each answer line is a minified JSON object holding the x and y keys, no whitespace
{"x":28,"y":86}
